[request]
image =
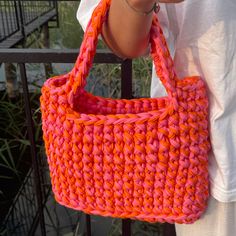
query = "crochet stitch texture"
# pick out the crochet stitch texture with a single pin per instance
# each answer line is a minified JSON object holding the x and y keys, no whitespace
{"x":143,"y":159}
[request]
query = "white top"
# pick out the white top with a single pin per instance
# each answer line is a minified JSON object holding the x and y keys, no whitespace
{"x":202,"y":36}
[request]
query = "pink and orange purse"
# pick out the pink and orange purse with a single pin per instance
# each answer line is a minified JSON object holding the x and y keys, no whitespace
{"x":145,"y":159}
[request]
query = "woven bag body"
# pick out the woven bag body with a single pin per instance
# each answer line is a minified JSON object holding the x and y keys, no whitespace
{"x":143,"y":159}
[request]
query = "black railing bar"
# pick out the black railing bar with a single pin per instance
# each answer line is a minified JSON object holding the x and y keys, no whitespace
{"x":126,"y":92}
{"x":55,"y":5}
{"x":169,"y":229}
{"x":126,"y":227}
{"x":53,"y":56}
{"x":17,"y":23}
{"x":21,"y":17}
{"x":16,"y":16}
{"x":88,"y":225}
{"x":126,"y":79}
{"x":30,"y":128}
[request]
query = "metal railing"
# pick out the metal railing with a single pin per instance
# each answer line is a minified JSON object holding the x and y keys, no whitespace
{"x":31,"y":10}
{"x":9,"y":22}
{"x":22,"y":56}
{"x":15,"y":15}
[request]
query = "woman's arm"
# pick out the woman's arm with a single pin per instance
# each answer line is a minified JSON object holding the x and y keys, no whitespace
{"x":126,"y":31}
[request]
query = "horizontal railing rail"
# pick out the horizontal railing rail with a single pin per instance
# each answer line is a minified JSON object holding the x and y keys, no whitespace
{"x":53,"y":55}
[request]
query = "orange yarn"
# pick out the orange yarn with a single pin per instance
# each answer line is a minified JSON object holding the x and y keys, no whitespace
{"x":144,"y":158}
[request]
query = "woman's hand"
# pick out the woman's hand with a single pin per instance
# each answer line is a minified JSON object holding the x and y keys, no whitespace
{"x":130,"y":40}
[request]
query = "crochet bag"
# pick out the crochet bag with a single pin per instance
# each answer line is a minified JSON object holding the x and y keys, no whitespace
{"x":143,"y":159}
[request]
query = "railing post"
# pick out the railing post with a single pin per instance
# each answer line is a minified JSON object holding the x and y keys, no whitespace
{"x":126,"y":79}
{"x":46,"y":44}
{"x":169,"y":229}
{"x":31,"y":135}
{"x":126,"y":227}
{"x":88,"y":225}
{"x":126,"y":92}
{"x":16,"y":14}
{"x":57,"y":12}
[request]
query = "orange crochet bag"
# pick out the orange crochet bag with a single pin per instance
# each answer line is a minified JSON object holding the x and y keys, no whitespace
{"x":143,"y":159}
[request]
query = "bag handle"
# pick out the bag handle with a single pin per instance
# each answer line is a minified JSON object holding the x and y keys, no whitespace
{"x":160,"y":54}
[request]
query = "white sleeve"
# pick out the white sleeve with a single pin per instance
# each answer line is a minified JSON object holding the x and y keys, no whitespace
{"x":85,"y":11}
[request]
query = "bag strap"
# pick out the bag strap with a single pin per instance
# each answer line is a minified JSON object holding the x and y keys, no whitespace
{"x":161,"y":56}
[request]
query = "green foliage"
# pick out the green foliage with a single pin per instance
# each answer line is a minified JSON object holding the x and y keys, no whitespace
{"x":12,"y":132}
{"x":70,"y":33}
{"x":104,"y":79}
{"x":14,"y":143}
{"x":142,"y":69}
